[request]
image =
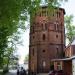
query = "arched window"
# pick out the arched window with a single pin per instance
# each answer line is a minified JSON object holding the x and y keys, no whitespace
{"x":44,"y":37}
{"x":33,"y":37}
{"x":33,"y":52}
{"x":56,"y":36}
{"x":42,"y":26}
{"x":57,"y":50}
{"x":56,"y":26}
{"x":45,"y":26}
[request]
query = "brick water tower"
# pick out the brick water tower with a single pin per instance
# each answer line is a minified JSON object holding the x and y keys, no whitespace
{"x":47,"y":38}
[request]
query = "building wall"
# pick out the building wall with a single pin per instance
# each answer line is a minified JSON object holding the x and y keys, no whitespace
{"x":46,"y":39}
{"x":73,"y":50}
{"x":65,"y":65}
{"x":73,"y":66}
{"x":69,"y":51}
{"x":68,"y":67}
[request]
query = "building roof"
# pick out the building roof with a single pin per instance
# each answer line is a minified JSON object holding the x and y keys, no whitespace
{"x":46,"y":5}
{"x":64,"y":59}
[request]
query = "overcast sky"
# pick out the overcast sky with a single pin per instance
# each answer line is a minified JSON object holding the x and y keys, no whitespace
{"x":24,"y":50}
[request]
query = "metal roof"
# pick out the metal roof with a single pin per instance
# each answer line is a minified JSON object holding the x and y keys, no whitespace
{"x":64,"y":59}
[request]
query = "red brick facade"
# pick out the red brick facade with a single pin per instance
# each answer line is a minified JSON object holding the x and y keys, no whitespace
{"x":65,"y":65}
{"x":67,"y":61}
{"x":47,"y":39}
{"x":70,"y":51}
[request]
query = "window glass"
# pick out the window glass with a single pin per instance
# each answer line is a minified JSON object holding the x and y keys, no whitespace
{"x":44,"y":37}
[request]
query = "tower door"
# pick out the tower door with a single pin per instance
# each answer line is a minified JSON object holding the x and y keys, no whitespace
{"x":43,"y":66}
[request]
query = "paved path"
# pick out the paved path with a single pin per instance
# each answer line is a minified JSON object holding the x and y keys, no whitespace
{"x":43,"y":74}
{"x":11,"y":72}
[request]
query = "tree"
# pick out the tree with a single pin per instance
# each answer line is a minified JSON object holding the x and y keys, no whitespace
{"x":13,"y":14}
{"x":27,"y":57}
{"x":70,"y":28}
{"x":13,"y":41}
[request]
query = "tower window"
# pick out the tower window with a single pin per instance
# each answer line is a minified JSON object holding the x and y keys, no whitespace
{"x":42,"y":26}
{"x":33,"y":29}
{"x":61,"y":23}
{"x":44,"y":13}
{"x":43,"y":63}
{"x":40,"y":14}
{"x":33,"y":52}
{"x":57,"y":51}
{"x":53,"y":14}
{"x":45,"y":26}
{"x":43,"y":51}
{"x":44,"y":37}
{"x":58,"y":14}
{"x":33,"y":37}
{"x":56,"y":36}
{"x":56,"y":25}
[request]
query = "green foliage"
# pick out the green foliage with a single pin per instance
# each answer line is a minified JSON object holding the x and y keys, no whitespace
{"x":55,"y":3}
{"x":13,"y":14}
{"x":8,"y":53}
{"x":26,"y":57}
{"x":70,"y":28}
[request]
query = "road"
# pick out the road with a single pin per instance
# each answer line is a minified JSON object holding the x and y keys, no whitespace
{"x":11,"y":72}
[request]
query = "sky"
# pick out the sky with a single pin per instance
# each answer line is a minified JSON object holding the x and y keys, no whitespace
{"x":24,"y":50}
{"x":70,"y":8}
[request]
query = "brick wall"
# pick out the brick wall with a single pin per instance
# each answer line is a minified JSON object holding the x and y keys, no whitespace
{"x":46,"y":39}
